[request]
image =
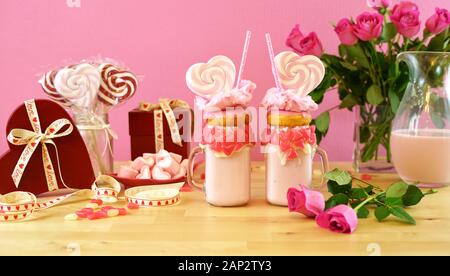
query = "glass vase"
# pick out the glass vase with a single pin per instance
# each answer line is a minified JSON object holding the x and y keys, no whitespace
{"x":97,"y":136}
{"x":372,"y":153}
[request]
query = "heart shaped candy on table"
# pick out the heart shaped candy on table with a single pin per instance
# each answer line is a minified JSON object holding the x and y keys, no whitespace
{"x":78,"y":84}
{"x":300,"y":73}
{"x":216,"y":76}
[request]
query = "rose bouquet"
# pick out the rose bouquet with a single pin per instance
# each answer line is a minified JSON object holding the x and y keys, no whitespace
{"x":365,"y":72}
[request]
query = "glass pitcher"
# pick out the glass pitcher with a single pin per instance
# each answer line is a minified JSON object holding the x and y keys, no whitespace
{"x":420,"y":138}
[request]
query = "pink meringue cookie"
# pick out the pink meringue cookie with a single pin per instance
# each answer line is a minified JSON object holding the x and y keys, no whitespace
{"x":288,"y":100}
{"x":138,"y":163}
{"x":178,"y":158}
{"x":145,"y":173}
{"x":127,"y":172}
{"x":159,"y":174}
{"x":236,"y":97}
{"x":184,"y":164}
{"x":169,"y":165}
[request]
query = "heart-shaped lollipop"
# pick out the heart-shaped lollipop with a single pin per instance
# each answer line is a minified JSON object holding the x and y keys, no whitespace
{"x":48,"y":85}
{"x":78,"y":84}
{"x":117,"y":85}
{"x":301,"y":73}
{"x":216,"y":76}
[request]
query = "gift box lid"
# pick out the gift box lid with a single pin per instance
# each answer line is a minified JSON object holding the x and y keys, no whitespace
{"x":141,"y":123}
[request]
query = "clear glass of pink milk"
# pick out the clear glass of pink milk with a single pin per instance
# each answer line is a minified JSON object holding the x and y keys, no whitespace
{"x":289,"y":144}
{"x":420,"y":138}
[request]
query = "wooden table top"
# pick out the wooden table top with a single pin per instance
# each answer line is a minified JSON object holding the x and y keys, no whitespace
{"x":195,"y":228}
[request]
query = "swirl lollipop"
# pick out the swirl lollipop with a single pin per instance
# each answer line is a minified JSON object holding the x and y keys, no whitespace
{"x":303,"y":74}
{"x":207,"y":79}
{"x":47,"y":84}
{"x":78,"y":85}
{"x":116,"y":86}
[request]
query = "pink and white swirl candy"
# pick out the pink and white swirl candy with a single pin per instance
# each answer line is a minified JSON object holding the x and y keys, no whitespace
{"x":48,"y":85}
{"x":301,"y":73}
{"x":78,"y":84}
{"x":117,"y":85}
{"x":216,"y":76}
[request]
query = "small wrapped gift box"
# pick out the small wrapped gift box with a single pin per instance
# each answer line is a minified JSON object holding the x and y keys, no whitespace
{"x":167,"y":125}
{"x":46,"y":151}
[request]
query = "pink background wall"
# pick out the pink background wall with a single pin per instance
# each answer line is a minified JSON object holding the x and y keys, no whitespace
{"x":159,"y":40}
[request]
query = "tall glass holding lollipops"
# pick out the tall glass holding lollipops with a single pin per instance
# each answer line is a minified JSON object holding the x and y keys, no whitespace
{"x":226,"y":134}
{"x":289,"y":141}
{"x":90,"y":90}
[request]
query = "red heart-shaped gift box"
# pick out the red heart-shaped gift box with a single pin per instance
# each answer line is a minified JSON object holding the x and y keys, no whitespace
{"x":76,"y":168}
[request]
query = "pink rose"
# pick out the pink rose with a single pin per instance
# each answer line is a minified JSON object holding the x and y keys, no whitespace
{"x":303,"y":200}
{"x":405,"y":17}
{"x":378,"y":4}
{"x":304,"y":45}
{"x":368,"y":26}
{"x":439,"y":21}
{"x":340,"y":219}
{"x":345,"y":31}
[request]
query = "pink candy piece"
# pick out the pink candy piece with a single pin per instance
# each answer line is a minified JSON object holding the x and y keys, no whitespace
{"x":132,"y":206}
{"x":97,"y":215}
{"x":81,"y":214}
{"x":178,"y":158}
{"x":107,"y":208}
{"x":159,"y":174}
{"x":145,"y":173}
{"x":123,"y":211}
{"x":127,"y":172}
{"x":169,"y":165}
{"x":99,"y":202}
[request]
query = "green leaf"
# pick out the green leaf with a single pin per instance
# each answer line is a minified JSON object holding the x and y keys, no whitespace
{"x":382,"y":213}
{"x":394,"y":100}
{"x":397,"y":190}
{"x":358,"y":194}
{"x":363,"y":212}
{"x":375,"y":95}
{"x":400,"y":213}
{"x":356,"y":53}
{"x":413,"y":196}
{"x":364,"y":134}
{"x":349,"y":101}
{"x":437,"y":43}
{"x":394,"y":201}
{"x":336,"y":200}
{"x":389,"y":32}
{"x":437,"y":119}
{"x":323,"y":122}
{"x":334,"y":188}
{"x":341,"y":177}
{"x":349,"y":66}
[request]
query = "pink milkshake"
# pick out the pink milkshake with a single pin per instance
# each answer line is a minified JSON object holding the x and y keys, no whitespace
{"x":422,"y":156}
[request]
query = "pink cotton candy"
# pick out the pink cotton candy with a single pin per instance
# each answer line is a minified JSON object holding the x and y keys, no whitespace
{"x":127,"y":172}
{"x":159,"y":174}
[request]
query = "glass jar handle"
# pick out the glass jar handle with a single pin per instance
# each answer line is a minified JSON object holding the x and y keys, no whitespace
{"x":190,"y":173}
{"x":324,"y":164}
